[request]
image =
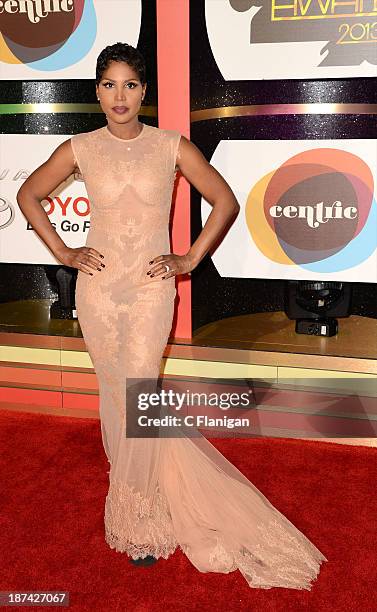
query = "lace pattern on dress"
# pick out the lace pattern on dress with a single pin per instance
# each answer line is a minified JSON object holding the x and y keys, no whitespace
{"x":280,"y":559}
{"x":128,"y":514}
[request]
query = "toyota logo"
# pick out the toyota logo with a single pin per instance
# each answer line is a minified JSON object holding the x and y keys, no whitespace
{"x":6,"y":213}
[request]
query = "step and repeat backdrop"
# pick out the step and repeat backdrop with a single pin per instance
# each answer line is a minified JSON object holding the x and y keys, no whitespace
{"x":48,"y":52}
{"x":283,"y":104}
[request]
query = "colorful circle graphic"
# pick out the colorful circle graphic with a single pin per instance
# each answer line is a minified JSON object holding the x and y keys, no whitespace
{"x":47,"y":35}
{"x":317,"y":210}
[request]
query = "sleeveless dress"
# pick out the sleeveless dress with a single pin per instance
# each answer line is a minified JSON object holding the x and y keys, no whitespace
{"x":164,"y":493}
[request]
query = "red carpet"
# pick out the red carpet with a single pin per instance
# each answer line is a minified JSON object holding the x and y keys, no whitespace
{"x":54,"y":479}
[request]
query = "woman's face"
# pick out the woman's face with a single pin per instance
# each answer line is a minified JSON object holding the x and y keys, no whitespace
{"x":120,"y":87}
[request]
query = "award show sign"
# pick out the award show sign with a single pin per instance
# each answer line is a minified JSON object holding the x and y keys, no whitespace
{"x":68,"y":207}
{"x":308,"y":209}
{"x":60,"y":39}
{"x":293,"y":39}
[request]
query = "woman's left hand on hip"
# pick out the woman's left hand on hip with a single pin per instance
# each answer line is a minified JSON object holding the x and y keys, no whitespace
{"x":170,"y":265}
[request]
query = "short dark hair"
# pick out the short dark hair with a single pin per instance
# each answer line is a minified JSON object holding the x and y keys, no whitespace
{"x":121,"y":52}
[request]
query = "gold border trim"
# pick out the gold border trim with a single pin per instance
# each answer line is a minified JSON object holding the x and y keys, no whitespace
{"x":283,"y":109}
{"x":23,"y":109}
{"x":220,"y":112}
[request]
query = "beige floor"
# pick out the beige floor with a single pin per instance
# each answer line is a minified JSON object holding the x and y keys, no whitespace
{"x":273,"y":331}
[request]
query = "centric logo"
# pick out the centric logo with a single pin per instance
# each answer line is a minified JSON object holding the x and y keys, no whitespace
{"x":316,"y":210}
{"x":46,"y":34}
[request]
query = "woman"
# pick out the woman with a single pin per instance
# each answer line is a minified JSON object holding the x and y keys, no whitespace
{"x":170,"y":492}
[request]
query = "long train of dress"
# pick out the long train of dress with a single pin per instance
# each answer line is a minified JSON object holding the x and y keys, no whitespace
{"x":182,"y":492}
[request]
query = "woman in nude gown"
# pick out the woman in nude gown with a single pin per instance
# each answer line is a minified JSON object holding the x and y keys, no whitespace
{"x":174,"y":492}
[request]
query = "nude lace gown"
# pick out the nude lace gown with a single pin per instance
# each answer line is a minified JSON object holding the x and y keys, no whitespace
{"x":163,"y":493}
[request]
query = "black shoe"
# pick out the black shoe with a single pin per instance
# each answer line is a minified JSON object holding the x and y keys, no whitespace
{"x":146,"y":562}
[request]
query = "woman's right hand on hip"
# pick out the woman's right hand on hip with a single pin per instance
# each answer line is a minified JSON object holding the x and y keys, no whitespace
{"x":83,"y":258}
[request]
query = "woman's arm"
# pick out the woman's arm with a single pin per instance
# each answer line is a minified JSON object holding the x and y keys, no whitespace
{"x":213,"y":187}
{"x":36,"y":188}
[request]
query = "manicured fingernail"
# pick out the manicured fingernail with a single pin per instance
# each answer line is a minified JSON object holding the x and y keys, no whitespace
{"x":152,"y":275}
{"x":99,"y":269}
{"x":148,"y":272}
{"x":162,"y":276}
{"x":103,"y":265}
{"x":91,"y":273}
{"x":151,"y":261}
{"x":101,"y":256}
